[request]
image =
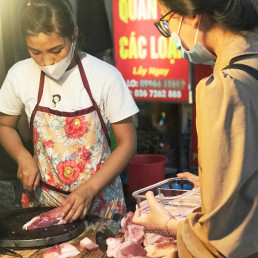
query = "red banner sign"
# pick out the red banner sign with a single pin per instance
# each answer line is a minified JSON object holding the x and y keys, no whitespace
{"x":150,"y":63}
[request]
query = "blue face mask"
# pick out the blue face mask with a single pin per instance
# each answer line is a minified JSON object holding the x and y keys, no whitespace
{"x":198,"y":54}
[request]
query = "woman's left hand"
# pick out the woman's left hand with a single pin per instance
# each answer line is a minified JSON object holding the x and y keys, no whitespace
{"x":77,"y":204}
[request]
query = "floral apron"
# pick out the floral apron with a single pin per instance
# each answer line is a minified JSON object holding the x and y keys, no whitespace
{"x":69,"y":148}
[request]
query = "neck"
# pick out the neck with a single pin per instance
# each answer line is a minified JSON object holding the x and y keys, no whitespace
{"x":217,"y":40}
{"x":213,"y":37}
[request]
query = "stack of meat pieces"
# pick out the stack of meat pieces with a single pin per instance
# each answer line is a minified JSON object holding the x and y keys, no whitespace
{"x":68,"y":250}
{"x":137,"y":243}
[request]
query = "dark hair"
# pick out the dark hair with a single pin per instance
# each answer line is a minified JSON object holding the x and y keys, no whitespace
{"x":48,"y":16}
{"x":234,"y":15}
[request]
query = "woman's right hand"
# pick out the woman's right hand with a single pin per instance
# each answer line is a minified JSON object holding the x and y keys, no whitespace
{"x":190,"y":177}
{"x":28,"y":173}
{"x":158,"y":216}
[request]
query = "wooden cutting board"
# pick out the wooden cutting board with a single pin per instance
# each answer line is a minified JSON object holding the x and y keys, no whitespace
{"x":88,"y":232}
{"x":91,"y":225}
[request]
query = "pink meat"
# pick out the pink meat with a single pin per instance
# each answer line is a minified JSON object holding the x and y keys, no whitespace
{"x":113,"y":245}
{"x":130,"y":248}
{"x":53,"y":251}
{"x":134,"y":233}
{"x":144,"y":206}
{"x":126,"y":220}
{"x":46,"y":219}
{"x":68,"y":250}
{"x":86,"y":243}
{"x":151,"y":238}
{"x":60,"y":251}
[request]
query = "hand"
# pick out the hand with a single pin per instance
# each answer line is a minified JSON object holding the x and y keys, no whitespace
{"x":158,"y":216}
{"x":190,"y":177}
{"x":28,"y":173}
{"x":77,"y":204}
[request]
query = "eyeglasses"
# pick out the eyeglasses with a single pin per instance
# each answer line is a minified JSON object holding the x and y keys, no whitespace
{"x":162,"y":25}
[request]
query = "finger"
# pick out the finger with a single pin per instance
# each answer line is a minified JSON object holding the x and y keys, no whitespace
{"x":185,"y":175}
{"x":67,"y":207}
{"x":140,"y":220}
{"x":29,"y":182}
{"x":36,"y":182}
{"x":188,"y":176}
{"x":83,"y":213}
{"x":151,"y":200}
{"x":72,"y":214}
{"x":19,"y":175}
{"x":149,"y":195}
{"x":78,"y":212}
{"x":27,"y":186}
{"x":137,"y":213}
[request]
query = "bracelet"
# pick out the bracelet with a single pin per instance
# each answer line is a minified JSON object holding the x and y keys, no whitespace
{"x":166,"y":225}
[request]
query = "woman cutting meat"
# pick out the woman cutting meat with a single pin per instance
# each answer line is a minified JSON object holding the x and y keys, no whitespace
{"x":224,"y":31}
{"x":70,"y":99}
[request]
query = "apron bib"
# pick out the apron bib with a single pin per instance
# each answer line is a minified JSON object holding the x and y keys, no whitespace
{"x":69,"y":148}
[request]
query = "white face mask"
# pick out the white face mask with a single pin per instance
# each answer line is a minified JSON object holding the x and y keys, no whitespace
{"x":55,"y":71}
{"x":198,"y":54}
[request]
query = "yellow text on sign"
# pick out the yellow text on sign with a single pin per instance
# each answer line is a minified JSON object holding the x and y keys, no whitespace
{"x":141,"y":47}
{"x":136,"y":10}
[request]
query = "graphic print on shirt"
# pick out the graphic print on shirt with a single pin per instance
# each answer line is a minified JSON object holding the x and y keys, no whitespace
{"x":56,"y":98}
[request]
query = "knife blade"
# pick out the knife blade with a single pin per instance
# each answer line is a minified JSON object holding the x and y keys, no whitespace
{"x":109,"y":230}
{"x":9,"y":252}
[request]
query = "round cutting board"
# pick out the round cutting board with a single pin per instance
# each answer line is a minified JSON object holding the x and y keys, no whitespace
{"x":12,"y":235}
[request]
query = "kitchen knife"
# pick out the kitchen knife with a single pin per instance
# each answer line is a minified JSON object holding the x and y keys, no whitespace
{"x":9,"y":252}
{"x":109,"y":230}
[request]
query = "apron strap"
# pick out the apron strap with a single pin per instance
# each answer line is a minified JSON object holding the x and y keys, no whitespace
{"x":248,"y":69}
{"x":87,"y":87}
{"x":40,"y":93}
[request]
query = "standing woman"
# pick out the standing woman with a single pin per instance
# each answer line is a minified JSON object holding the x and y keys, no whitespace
{"x":224,"y":31}
{"x":70,"y":98}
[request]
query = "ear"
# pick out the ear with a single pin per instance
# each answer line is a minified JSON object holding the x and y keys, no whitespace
{"x":196,"y":21}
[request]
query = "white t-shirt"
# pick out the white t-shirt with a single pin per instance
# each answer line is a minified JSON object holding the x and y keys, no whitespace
{"x":109,"y":90}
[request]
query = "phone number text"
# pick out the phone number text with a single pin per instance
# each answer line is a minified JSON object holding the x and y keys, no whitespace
{"x":156,"y":94}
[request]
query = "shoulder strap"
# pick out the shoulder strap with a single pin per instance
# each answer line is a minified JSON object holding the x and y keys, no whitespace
{"x":253,"y":72}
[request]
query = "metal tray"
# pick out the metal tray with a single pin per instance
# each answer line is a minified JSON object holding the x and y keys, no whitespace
{"x":173,"y":193}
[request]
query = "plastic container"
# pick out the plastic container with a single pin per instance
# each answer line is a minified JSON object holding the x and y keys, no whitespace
{"x":172,"y":193}
{"x":144,"y":170}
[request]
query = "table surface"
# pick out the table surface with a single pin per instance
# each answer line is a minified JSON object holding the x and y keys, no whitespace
{"x":90,"y":232}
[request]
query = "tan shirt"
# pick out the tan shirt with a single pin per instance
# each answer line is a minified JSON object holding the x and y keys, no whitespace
{"x":227,"y":127}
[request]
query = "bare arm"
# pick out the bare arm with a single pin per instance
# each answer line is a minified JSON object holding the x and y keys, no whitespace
{"x":11,"y":141}
{"x":78,"y":203}
{"x":126,"y":142}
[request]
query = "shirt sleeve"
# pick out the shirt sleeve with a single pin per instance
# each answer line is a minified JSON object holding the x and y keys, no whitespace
{"x":227,"y":126}
{"x":118,"y":101}
{"x":10,"y":101}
